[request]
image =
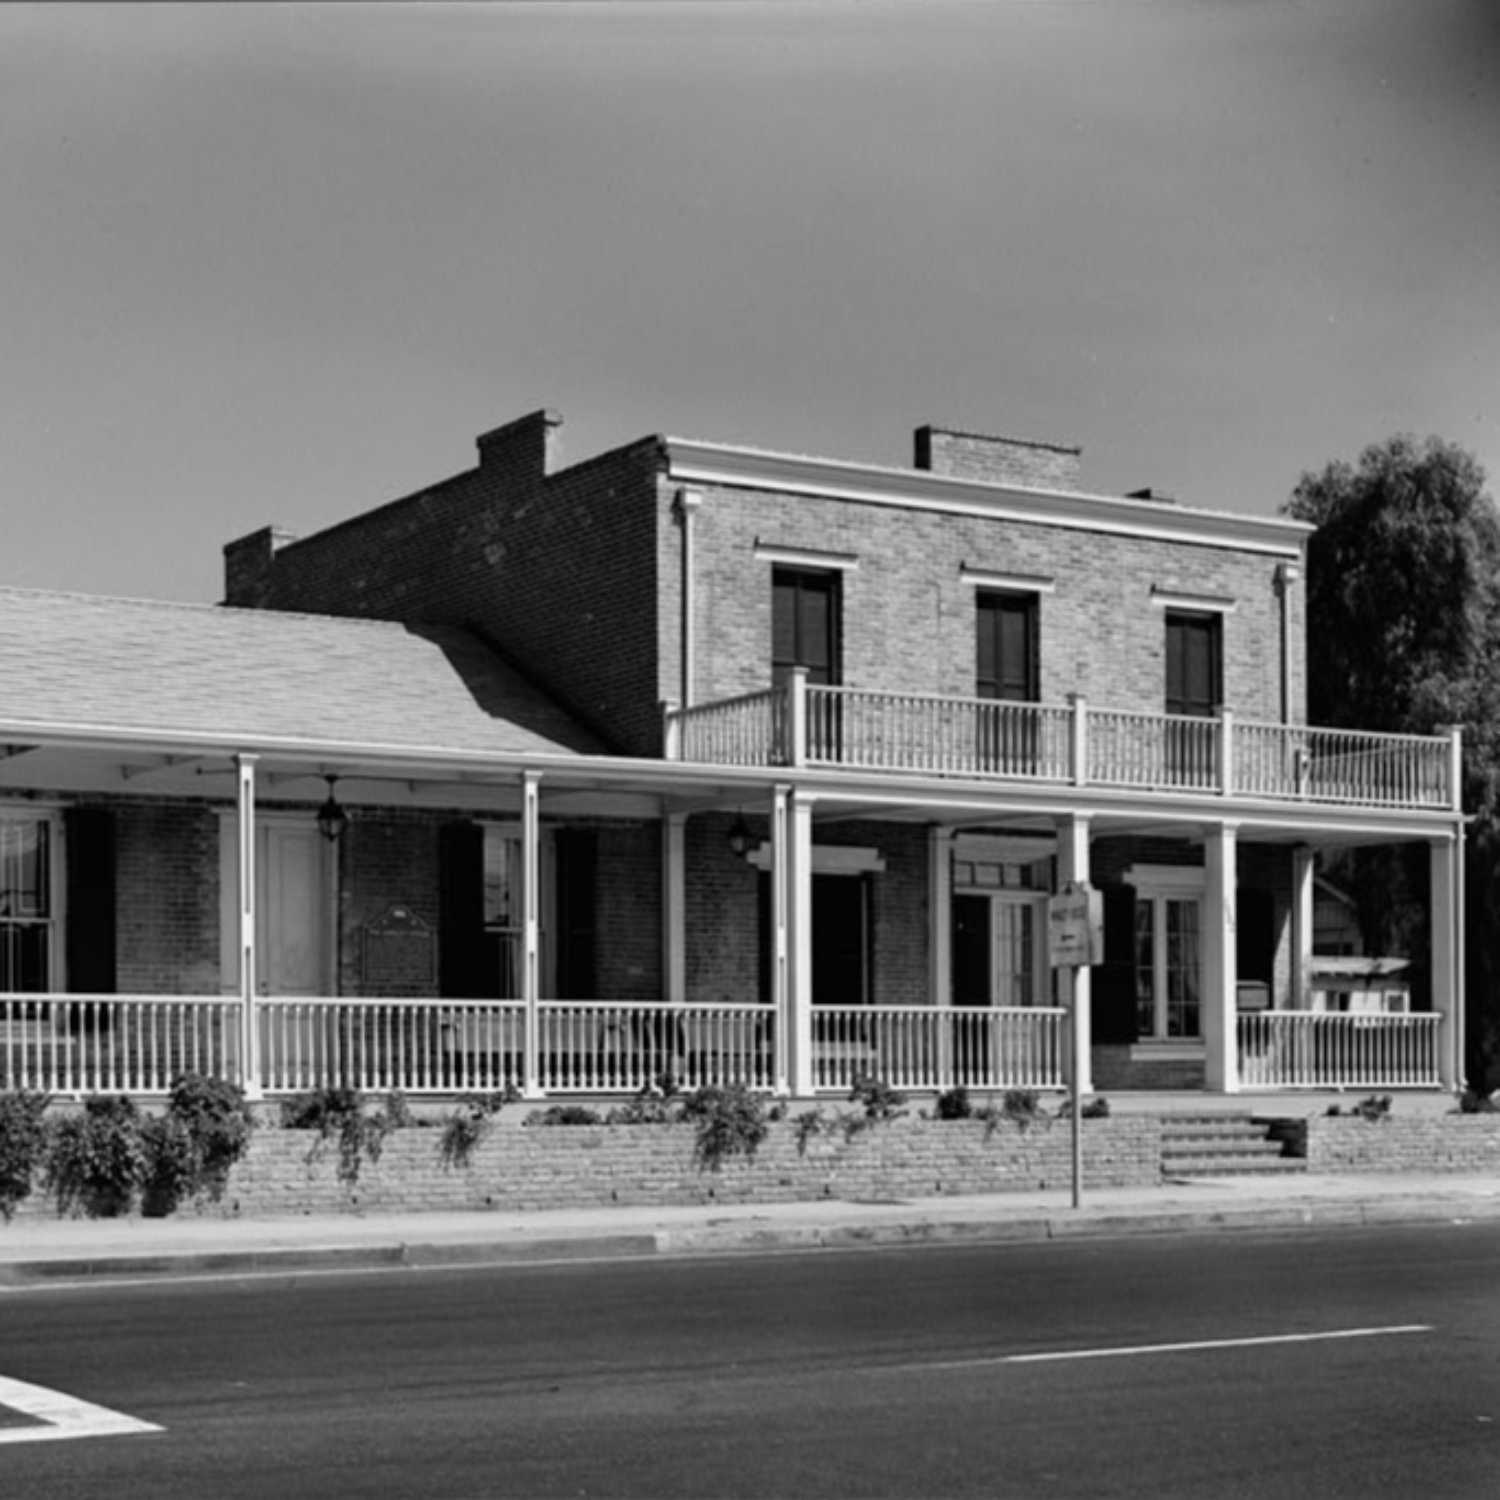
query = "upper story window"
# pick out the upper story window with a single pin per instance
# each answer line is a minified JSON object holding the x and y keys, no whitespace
{"x":805,"y":623}
{"x":1007,"y":663}
{"x":26,"y":907}
{"x":1195,"y":669}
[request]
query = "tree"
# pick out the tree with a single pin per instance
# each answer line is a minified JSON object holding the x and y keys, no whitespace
{"x":1403,"y":626}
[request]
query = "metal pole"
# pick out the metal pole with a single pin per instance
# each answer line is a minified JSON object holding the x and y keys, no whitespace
{"x":1077,"y":1101}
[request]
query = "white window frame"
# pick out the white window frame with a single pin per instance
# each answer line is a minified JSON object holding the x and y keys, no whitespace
{"x":56,"y":919}
{"x":1159,"y":884}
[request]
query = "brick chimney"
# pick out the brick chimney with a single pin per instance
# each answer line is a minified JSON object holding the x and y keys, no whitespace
{"x":997,"y":460}
{"x":249,"y":564}
{"x":530,"y":446}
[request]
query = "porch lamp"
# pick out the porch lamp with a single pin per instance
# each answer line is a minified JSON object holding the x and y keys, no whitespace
{"x":739,"y":836}
{"x":332,"y":819}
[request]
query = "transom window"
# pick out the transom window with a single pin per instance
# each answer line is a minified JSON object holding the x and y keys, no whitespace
{"x":805,"y":624}
{"x":26,"y":906}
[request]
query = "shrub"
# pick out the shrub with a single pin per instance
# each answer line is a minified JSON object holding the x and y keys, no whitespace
{"x":97,"y":1158}
{"x":730,"y":1120}
{"x":342,"y":1114}
{"x":1096,"y":1108}
{"x":1374,"y":1107}
{"x":955,"y":1104}
{"x":23,"y":1143}
{"x":808,"y":1124}
{"x":877,"y":1098}
{"x":649,"y":1107}
{"x":465,"y":1127}
{"x":1024,"y":1106}
{"x":1472,"y":1102}
{"x":216,"y":1123}
{"x":565,"y":1114}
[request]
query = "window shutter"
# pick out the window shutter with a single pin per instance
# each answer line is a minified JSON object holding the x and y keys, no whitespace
{"x":89,"y":944}
{"x":461,"y":947}
{"x":1113,"y":1008}
{"x":577,"y":920}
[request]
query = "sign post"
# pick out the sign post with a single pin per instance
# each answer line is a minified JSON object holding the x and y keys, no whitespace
{"x":1075,"y":937}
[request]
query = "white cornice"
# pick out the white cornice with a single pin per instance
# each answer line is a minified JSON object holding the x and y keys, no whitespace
{"x":694,"y":462}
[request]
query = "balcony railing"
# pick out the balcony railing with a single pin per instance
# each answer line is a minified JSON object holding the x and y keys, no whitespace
{"x":1298,"y":1049}
{"x":1076,"y":744}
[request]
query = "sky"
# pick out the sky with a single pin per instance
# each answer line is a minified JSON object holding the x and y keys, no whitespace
{"x":281,"y":263}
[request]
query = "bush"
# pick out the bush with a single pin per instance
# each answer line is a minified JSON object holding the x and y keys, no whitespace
{"x":808,"y":1124}
{"x":97,"y":1159}
{"x":1472,"y":1102}
{"x":877,"y":1098}
{"x":565,"y":1114}
{"x":23,"y":1146}
{"x":955,"y":1104}
{"x":465,"y":1127}
{"x":1096,"y":1108}
{"x":344,"y":1114}
{"x":650,"y":1106}
{"x":730,"y":1120}
{"x":213,"y":1122}
{"x":1375,"y":1107}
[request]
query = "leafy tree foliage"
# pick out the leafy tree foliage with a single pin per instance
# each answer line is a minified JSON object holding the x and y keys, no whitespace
{"x":1403,"y":629}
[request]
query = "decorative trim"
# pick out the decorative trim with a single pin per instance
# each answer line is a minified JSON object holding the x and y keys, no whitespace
{"x":805,"y":557}
{"x":691,"y":460}
{"x":1218,"y":604}
{"x":1166,"y":879}
{"x":1014,"y":583}
{"x":1004,"y":848}
{"x":827,"y":859}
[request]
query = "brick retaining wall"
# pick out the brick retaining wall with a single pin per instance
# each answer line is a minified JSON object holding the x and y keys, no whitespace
{"x":1435,"y":1143}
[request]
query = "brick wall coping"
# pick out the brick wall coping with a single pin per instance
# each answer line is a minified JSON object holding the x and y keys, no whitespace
{"x":692,"y":461}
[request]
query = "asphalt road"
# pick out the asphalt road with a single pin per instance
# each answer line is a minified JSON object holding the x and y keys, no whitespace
{"x":877,"y":1373}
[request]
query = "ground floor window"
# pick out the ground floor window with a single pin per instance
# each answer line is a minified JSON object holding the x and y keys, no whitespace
{"x":27,"y":903}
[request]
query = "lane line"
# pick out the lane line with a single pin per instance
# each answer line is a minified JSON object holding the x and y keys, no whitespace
{"x":1192,"y":1346}
{"x":64,"y":1416}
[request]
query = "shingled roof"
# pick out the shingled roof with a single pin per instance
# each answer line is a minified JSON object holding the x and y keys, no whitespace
{"x":131,"y":664}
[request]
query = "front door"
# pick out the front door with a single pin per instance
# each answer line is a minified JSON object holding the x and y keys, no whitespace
{"x":293,"y":933}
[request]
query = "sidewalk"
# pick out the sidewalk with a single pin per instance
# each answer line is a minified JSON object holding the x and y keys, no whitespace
{"x":51,"y":1251}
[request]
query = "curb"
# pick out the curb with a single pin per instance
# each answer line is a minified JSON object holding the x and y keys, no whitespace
{"x":731,"y":1239}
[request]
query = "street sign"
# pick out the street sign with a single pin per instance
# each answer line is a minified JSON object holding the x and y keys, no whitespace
{"x":1075,"y":927}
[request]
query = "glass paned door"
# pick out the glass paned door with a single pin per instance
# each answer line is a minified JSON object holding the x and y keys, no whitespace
{"x":1168,"y":967}
{"x":1015,"y":952}
{"x":503,"y":915}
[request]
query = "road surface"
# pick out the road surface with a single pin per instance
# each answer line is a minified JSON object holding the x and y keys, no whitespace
{"x":1357,"y":1363}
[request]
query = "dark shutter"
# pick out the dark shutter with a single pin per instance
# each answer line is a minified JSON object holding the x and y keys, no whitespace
{"x":462,"y":970}
{"x":1255,"y":934}
{"x":89,"y":944}
{"x":577,"y":921}
{"x":1113,"y":1007}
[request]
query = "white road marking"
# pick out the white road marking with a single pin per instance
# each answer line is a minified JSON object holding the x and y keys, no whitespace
{"x":63,"y":1416}
{"x":1120,"y":1350}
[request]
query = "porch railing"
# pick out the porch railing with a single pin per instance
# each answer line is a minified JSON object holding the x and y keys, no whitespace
{"x":1294,"y":1049}
{"x":1075,"y":744}
{"x":132,"y":1044}
{"x":936,"y":1047}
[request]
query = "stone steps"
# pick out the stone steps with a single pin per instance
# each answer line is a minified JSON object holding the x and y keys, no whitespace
{"x":1221,"y":1146}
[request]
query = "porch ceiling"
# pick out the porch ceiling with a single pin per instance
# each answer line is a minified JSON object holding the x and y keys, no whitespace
{"x":60,"y":759}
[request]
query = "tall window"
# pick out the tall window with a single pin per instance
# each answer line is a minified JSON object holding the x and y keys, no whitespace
{"x":25,"y":904}
{"x":805,"y":624}
{"x":1007,"y":665}
{"x":1195,"y":683}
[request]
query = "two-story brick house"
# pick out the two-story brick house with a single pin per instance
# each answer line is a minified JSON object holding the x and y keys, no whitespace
{"x":724,"y":762}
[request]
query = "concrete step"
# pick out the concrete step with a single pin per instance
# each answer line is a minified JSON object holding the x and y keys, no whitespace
{"x":1234,"y":1166}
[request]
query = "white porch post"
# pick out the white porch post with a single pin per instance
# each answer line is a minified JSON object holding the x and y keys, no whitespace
{"x":791,"y":886}
{"x":1220,"y":1010}
{"x":1443,"y":857}
{"x":1076,"y":983}
{"x":940,"y":938}
{"x":245,"y":905}
{"x":1303,"y":893}
{"x":674,"y":906}
{"x":531,"y":944}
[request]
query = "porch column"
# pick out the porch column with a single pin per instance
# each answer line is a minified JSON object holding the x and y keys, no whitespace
{"x":1303,"y":891}
{"x":531,"y":947}
{"x":940,"y":939}
{"x":1076,"y":984}
{"x":1443,"y":856}
{"x":1220,"y":1011}
{"x":791,"y":899}
{"x":674,"y":906}
{"x":245,"y":901}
